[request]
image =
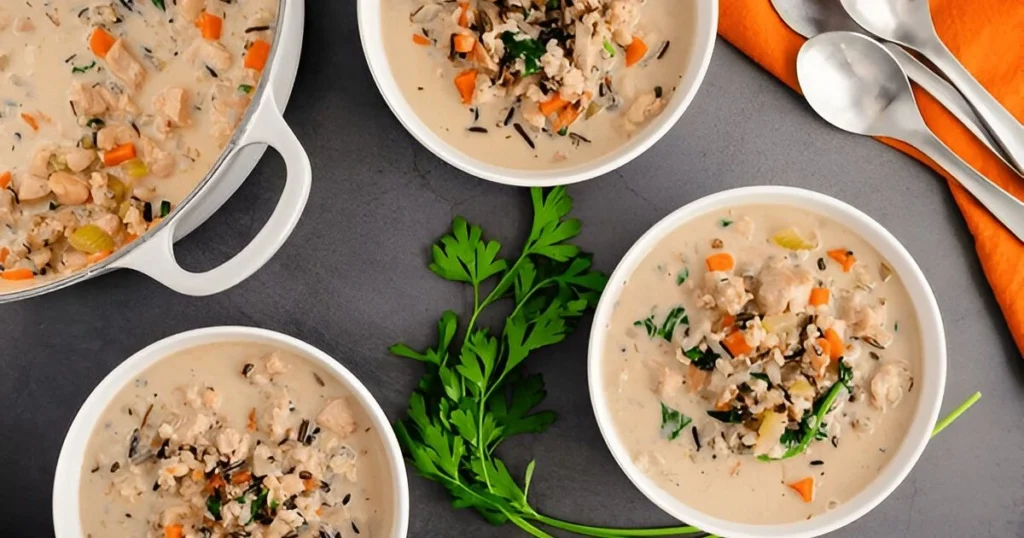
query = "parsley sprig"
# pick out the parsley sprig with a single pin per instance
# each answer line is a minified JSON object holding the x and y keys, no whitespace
{"x":474,"y":394}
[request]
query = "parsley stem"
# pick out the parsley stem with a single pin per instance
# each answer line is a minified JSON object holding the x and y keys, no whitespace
{"x":955,"y":414}
{"x":604,"y":532}
{"x":526,"y":526}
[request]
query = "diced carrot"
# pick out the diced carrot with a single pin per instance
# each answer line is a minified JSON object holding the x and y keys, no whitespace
{"x":210,"y":26}
{"x":5,"y":179}
{"x":464,"y":14}
{"x":826,"y":347}
{"x":173,"y":531}
{"x":4,"y":253}
{"x":320,"y":511}
{"x":723,"y":406}
{"x":566,"y":117}
{"x":17,"y":274}
{"x":805,"y":488}
{"x":129,"y":238}
{"x":465,"y":82}
{"x":311,"y":484}
{"x":819,"y":296}
{"x":120,"y":154}
{"x":97,"y":257}
{"x":552,"y":105}
{"x":421,"y":39}
{"x":844,"y":257}
{"x":463,"y":42}
{"x":30,"y":120}
{"x":241,"y":477}
{"x":836,"y":345}
{"x":720,"y":261}
{"x":100,"y":42}
{"x":252,"y":420}
{"x":257,"y":55}
{"x":635,"y":51}
{"x":216,"y":481}
{"x":728,"y":321}
{"x":737,"y":344}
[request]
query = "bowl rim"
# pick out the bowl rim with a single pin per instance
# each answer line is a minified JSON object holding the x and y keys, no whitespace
{"x":704,"y":38}
{"x":67,"y":477}
{"x":931,"y":382}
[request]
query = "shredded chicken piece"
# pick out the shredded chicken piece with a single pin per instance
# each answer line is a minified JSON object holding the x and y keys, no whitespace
{"x":125,"y":67}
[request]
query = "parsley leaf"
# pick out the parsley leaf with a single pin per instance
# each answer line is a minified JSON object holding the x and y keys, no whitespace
{"x":675,"y":316}
{"x":703,"y":359}
{"x":672,"y":422}
{"x":682,"y":276}
{"x":473,"y":394}
{"x":527,"y":48}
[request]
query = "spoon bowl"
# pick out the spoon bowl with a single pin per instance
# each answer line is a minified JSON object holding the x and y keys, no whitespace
{"x":856,"y":84}
{"x":908,"y":22}
{"x":812,"y":17}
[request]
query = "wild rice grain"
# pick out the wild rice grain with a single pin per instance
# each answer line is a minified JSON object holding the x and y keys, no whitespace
{"x":526,"y":137}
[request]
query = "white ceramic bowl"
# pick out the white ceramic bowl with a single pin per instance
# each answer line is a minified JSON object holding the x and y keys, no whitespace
{"x":705,"y":27}
{"x":66,"y":507}
{"x":931,"y":381}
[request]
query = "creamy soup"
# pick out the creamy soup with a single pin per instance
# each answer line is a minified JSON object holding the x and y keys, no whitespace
{"x":542,"y":84}
{"x":112,"y":111}
{"x":235,"y":440}
{"x":760,"y":364}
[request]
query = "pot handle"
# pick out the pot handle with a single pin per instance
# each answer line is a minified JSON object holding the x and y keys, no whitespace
{"x":155,"y":257}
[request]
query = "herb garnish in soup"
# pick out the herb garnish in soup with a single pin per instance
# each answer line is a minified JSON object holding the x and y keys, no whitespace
{"x":760,"y":364}
{"x":531,"y":83}
{"x":235,"y":440}
{"x":111,"y":112}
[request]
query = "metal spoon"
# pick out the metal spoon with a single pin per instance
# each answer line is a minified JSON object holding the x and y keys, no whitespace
{"x":856,"y":84}
{"x":909,"y":23}
{"x":812,"y":17}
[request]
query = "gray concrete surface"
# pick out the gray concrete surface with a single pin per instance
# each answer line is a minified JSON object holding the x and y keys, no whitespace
{"x":352,"y":280}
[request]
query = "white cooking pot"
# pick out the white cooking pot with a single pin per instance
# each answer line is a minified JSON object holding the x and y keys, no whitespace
{"x":263,"y":125}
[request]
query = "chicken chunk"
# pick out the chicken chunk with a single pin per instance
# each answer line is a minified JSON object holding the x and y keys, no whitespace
{"x":889,"y":384}
{"x":68,"y":188}
{"x":160,"y":162}
{"x":190,"y":9}
{"x":125,"y":67}
{"x":781,"y":285}
{"x":79,"y":159}
{"x":86,"y":100}
{"x":32,"y":187}
{"x":171,"y":109}
{"x":727,"y":291}
{"x":114,"y":135}
{"x":337,"y":417}
{"x":210,"y":54}
{"x":40,"y":164}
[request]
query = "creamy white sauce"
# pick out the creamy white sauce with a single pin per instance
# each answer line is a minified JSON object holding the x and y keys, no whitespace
{"x":117,"y":498}
{"x":425,"y":76}
{"x":739,"y":487}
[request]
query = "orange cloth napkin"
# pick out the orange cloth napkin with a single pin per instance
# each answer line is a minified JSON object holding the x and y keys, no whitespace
{"x":986,"y":36}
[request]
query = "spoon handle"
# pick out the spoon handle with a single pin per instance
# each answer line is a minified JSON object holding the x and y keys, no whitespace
{"x":1008,"y":132}
{"x":945,"y":94}
{"x":1003,"y":205}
